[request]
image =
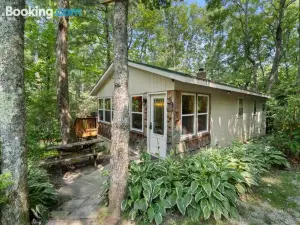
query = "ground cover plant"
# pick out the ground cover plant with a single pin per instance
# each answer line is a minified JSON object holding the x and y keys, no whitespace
{"x":42,"y":194}
{"x":201,"y":187}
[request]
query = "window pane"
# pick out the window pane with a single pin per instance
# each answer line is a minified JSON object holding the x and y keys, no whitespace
{"x":202,"y":104}
{"x":107,"y":103}
{"x":188,"y":104}
{"x":158,"y":116}
{"x":100,"y":103}
{"x":137,"y":121}
{"x":254,"y":110}
{"x":100,"y":114}
{"x":107,"y":115}
{"x":137,"y":104}
{"x":188,"y":125}
{"x":202,"y":123}
{"x":240,"y":103}
{"x":240,"y":111}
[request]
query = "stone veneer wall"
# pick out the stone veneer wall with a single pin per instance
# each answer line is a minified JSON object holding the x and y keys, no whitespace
{"x":174,"y":128}
{"x":138,"y":140}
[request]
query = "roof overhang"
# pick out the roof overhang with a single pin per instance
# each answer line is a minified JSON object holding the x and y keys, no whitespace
{"x":102,"y":80}
{"x":174,"y":75}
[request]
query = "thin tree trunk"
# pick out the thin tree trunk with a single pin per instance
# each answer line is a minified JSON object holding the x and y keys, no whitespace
{"x":107,"y":38}
{"x":62,"y":75}
{"x":273,"y":76}
{"x":247,"y":46}
{"x":120,"y":125}
{"x":12,"y":116}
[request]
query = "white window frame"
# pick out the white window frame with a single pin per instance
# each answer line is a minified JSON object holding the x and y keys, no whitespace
{"x":142,"y":113}
{"x":238,"y":108}
{"x":183,"y":136}
{"x":207,"y":113}
{"x":103,"y":110}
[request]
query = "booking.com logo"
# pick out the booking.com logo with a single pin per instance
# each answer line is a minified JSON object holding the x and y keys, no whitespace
{"x":39,"y":12}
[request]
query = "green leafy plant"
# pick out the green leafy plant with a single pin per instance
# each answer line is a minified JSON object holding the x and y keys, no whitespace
{"x":202,"y":186}
{"x":5,"y":182}
{"x":42,"y":194}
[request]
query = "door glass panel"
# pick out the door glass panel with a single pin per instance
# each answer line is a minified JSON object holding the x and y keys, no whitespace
{"x":158,"y":116}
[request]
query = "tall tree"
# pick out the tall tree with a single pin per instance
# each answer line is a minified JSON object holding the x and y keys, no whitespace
{"x":120,"y":125}
{"x":299,"y":44}
{"x":62,"y":74}
{"x":107,"y":36}
{"x":12,"y":119}
{"x":273,"y":76}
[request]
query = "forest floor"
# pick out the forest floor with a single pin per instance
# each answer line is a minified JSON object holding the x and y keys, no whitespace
{"x":276,"y":201}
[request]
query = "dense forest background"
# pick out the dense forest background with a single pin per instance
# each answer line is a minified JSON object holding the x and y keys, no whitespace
{"x":251,"y":44}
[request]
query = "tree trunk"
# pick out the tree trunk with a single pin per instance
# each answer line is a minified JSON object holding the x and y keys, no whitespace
{"x":273,"y":76}
{"x":107,"y":38}
{"x":247,"y":46}
{"x":120,"y":125}
{"x":12,"y":119}
{"x":62,"y":75}
{"x":299,"y":45}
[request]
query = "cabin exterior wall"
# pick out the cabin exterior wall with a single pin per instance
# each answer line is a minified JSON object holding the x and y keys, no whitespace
{"x":224,"y":124}
{"x":140,"y":83}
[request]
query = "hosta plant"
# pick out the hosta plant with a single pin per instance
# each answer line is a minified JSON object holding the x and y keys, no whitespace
{"x":201,"y":186}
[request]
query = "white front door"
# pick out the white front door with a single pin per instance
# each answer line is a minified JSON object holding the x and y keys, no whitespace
{"x":157,"y":144}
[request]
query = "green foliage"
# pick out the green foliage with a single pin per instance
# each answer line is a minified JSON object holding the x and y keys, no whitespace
{"x":42,"y":194}
{"x":206,"y":185}
{"x":284,"y":117}
{"x":5,"y":182}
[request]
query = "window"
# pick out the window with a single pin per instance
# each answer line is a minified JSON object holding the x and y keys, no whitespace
{"x":100,"y":110}
{"x":104,"y":110}
{"x":195,"y":113}
{"x":137,"y":113}
{"x":188,"y":113}
{"x":158,"y":116}
{"x":254,"y":107}
{"x":202,"y":113}
{"x":241,"y":107}
{"x":107,"y":110}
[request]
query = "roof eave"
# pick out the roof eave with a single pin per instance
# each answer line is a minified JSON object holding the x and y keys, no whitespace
{"x":93,"y":92}
{"x":196,"y":81}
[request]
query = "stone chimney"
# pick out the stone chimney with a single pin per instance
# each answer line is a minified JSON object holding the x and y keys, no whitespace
{"x":201,"y":74}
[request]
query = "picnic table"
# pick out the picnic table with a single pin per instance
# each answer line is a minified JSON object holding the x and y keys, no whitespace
{"x":74,"y":151}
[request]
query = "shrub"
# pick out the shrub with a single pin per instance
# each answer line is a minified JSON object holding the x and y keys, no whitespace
{"x":284,"y":118}
{"x":202,"y":186}
{"x":5,"y":182}
{"x":42,"y":194}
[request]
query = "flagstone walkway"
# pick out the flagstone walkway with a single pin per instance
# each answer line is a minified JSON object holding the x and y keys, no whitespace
{"x":81,"y":200}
